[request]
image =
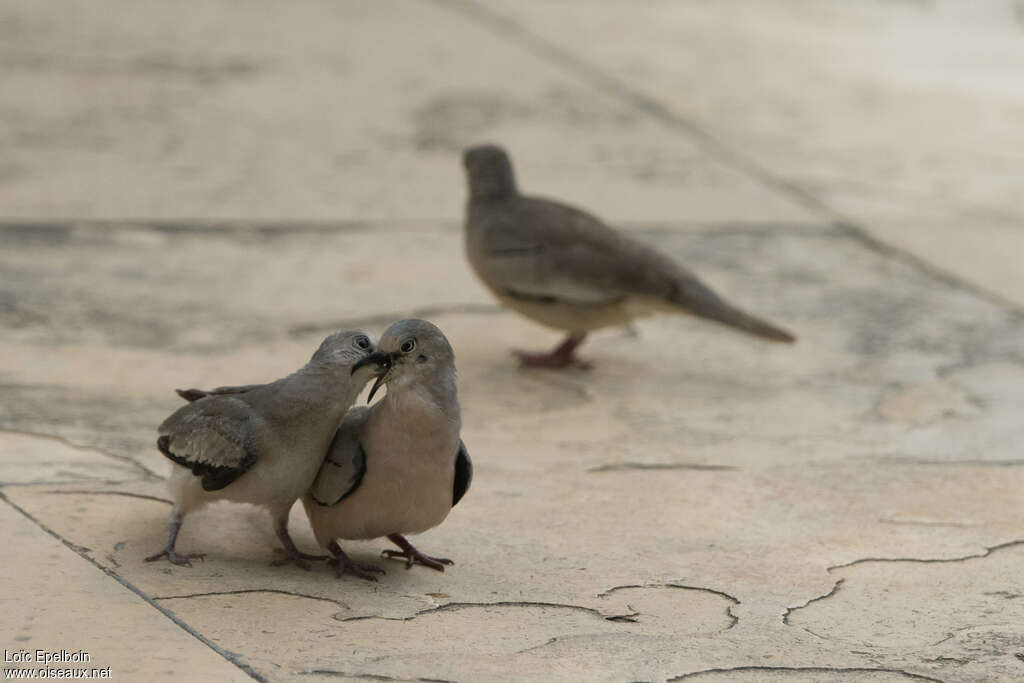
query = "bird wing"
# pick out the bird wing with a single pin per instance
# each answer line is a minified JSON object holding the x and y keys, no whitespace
{"x":542,"y":249}
{"x":547,"y":251}
{"x":215,"y":438}
{"x":463,"y":474}
{"x":196,"y":394}
{"x":343,"y":468}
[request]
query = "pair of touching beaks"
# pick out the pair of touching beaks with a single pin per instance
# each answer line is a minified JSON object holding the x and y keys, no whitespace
{"x":383,"y":361}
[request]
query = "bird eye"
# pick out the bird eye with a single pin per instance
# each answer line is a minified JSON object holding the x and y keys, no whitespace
{"x":362,"y":342}
{"x":408,"y":345}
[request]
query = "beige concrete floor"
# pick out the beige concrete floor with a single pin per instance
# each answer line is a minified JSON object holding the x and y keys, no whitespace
{"x":195,"y":194}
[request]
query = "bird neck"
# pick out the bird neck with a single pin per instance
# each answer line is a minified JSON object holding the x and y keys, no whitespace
{"x":493,"y":185}
{"x":444,"y":393}
{"x":492,"y":196}
{"x":330,"y":384}
{"x":438,"y":398}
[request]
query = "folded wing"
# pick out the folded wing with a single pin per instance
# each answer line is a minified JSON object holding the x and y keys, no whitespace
{"x":215,"y":438}
{"x":343,"y":468}
{"x":545,"y":250}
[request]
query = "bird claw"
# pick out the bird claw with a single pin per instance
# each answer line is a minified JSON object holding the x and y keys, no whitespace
{"x":176,"y":559}
{"x":363,"y":571}
{"x":302,"y":555}
{"x":416,"y":557}
{"x":295,"y":556}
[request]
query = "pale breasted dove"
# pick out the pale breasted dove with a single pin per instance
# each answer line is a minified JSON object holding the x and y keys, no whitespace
{"x":565,"y":269}
{"x":396,"y":467}
{"x":261,"y":443}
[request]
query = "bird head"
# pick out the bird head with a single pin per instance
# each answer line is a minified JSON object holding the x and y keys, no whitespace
{"x":347,"y":350}
{"x":412,"y":352}
{"x":489,"y":172}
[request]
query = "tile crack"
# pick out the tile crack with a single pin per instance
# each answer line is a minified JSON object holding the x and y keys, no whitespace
{"x":733,"y":619}
{"x":807,"y":669}
{"x":246,"y":591}
{"x":824,"y":596}
{"x":930,"y":560}
{"x":367,"y":676}
{"x":618,"y":467}
{"x":455,"y":606}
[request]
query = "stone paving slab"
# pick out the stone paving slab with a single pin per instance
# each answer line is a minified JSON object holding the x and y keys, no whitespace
{"x":318,"y":111}
{"x":54,"y":601}
{"x":701,"y":506}
{"x":700,"y":501}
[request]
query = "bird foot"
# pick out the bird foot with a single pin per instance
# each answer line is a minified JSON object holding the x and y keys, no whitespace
{"x":174,"y":558}
{"x":552,"y":360}
{"x":302,"y":555}
{"x":297,"y":558}
{"x":413,"y":556}
{"x":343,"y":565}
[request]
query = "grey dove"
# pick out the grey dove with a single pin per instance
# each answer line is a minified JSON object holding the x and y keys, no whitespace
{"x":261,"y":443}
{"x":397,"y":467}
{"x":566,"y":269}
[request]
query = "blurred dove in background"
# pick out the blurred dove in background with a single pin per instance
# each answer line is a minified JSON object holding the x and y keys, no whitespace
{"x":565,"y":269}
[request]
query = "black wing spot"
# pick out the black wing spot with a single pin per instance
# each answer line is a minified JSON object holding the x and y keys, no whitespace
{"x":516,"y":251}
{"x":547,"y":299}
{"x":463,"y":474}
{"x":538,"y":298}
{"x":214,"y":477}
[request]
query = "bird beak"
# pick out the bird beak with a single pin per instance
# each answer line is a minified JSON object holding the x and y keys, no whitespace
{"x":376,"y":385}
{"x":382,"y":360}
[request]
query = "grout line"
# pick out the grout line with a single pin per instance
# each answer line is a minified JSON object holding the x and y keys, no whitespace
{"x":432,"y":225}
{"x":385,"y":318}
{"x":869,"y":241}
{"x":203,"y":225}
{"x":78,"y":482}
{"x":79,"y":447}
{"x":127,"y":494}
{"x":229,"y":656}
{"x":619,"y":89}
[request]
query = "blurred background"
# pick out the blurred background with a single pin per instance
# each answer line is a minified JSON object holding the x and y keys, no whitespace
{"x":905,"y":117}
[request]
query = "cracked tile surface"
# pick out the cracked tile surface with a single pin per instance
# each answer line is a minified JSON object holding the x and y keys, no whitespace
{"x":194,"y":201}
{"x":678,"y":509}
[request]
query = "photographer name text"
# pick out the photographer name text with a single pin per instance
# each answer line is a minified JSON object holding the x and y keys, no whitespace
{"x":46,"y":656}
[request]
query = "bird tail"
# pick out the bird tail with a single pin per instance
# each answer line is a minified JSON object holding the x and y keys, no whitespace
{"x":697,"y":299}
{"x":191,"y":395}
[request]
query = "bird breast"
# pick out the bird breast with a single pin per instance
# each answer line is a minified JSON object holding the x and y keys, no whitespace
{"x":410,"y":445}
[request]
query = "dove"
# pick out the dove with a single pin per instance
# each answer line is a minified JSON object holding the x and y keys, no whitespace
{"x":565,"y":269}
{"x":261,"y":443}
{"x":399,"y":466}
